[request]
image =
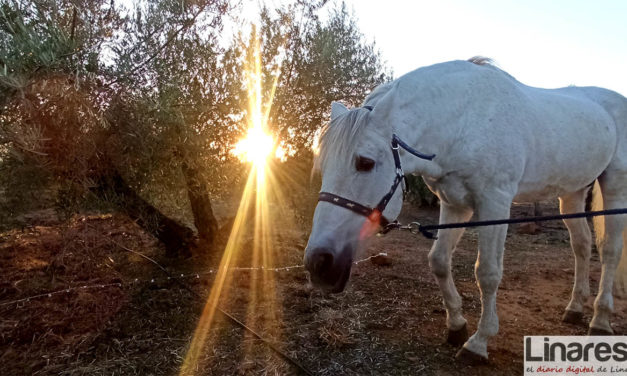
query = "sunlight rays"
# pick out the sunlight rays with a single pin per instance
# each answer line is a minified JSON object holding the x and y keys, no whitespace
{"x":258,"y":145}
{"x":256,"y":148}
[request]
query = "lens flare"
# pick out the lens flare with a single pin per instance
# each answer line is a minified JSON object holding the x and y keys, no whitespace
{"x":257,"y":148}
{"x":258,"y":145}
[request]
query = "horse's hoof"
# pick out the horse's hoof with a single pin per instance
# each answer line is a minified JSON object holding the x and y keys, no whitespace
{"x":457,"y":337}
{"x":599,"y":332}
{"x":468,"y":357}
{"x":572,"y":317}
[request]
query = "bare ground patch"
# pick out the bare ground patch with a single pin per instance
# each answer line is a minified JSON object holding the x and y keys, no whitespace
{"x":389,"y":321}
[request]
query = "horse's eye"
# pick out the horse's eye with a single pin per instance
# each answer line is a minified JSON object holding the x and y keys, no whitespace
{"x":364,"y":164}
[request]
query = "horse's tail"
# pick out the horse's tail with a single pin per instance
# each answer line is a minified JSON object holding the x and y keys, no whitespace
{"x":620,"y":280}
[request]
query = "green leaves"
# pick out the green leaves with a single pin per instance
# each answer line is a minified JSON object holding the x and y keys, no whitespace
{"x":326,"y":61}
{"x":159,"y":85}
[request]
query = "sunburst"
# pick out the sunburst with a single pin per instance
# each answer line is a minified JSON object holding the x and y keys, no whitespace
{"x":256,"y":148}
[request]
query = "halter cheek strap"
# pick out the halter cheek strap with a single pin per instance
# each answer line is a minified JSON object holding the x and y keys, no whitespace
{"x":376,"y":214}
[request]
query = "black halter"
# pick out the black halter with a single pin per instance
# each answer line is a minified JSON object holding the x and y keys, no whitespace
{"x":375,"y":214}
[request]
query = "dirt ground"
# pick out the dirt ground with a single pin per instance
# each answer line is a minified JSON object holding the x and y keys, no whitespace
{"x":132,"y":320}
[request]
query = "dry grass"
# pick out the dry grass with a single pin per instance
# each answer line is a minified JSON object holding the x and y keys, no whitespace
{"x":390,"y":320}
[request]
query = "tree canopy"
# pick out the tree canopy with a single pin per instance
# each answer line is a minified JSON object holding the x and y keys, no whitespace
{"x":94,"y":95}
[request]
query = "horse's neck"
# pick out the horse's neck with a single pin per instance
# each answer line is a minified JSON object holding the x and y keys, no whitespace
{"x":414,"y":116}
{"x":425,"y":140}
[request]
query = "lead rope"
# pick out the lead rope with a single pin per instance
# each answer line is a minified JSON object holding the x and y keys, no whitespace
{"x":426,"y":230}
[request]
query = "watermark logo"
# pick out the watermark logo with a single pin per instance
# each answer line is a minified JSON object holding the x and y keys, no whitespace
{"x":575,"y":355}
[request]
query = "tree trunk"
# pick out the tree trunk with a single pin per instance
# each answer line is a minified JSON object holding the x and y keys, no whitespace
{"x":176,"y":237}
{"x":198,"y":194}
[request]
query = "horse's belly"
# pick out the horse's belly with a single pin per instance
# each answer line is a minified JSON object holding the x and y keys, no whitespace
{"x":567,"y":164}
{"x":553,"y":183}
{"x":544,"y":193}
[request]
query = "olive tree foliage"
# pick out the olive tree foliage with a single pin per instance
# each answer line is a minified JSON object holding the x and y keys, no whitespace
{"x":176,"y":107}
{"x":105,"y":101}
{"x":51,"y":103}
{"x":140,"y":108}
{"x":325,"y":58}
{"x":44,"y":37}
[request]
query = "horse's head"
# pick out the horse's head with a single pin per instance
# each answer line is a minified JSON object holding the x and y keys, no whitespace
{"x":355,"y":161}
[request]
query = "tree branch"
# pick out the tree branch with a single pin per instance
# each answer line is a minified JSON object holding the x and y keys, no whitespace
{"x":73,"y":25}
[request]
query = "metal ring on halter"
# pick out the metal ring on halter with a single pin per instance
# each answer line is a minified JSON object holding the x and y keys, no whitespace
{"x":414,"y":227}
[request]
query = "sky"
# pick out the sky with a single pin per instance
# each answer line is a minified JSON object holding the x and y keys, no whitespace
{"x":544,"y":43}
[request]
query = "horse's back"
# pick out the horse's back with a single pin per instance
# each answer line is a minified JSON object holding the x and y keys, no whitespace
{"x":546,"y":142}
{"x":580,"y":132}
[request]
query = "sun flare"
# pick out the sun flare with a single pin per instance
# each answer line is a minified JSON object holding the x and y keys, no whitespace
{"x":257,"y":147}
{"x":258,"y":144}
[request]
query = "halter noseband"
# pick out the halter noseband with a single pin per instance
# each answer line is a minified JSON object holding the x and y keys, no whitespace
{"x":376,"y":214}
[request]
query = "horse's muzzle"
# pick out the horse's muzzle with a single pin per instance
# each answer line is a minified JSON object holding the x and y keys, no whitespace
{"x":327,"y":270}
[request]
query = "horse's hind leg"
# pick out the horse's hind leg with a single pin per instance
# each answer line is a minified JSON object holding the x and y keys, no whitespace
{"x":580,"y":241}
{"x":440,"y":262}
{"x":613,"y":185}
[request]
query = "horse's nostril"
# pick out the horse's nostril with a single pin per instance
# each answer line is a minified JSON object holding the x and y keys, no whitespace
{"x":322,"y":261}
{"x":319,"y":261}
{"x":328,"y":270}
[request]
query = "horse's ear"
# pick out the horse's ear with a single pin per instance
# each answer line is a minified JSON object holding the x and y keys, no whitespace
{"x":337,"y":109}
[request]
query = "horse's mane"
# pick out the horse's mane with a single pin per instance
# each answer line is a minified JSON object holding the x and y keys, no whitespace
{"x":373,"y":98}
{"x":337,"y":138}
{"x":482,"y":60}
{"x":490,"y":63}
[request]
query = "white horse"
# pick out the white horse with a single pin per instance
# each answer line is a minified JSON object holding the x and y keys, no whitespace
{"x":496,"y":141}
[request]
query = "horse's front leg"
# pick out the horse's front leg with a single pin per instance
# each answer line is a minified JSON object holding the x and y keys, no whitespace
{"x":440,"y":262}
{"x":488,"y":272}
